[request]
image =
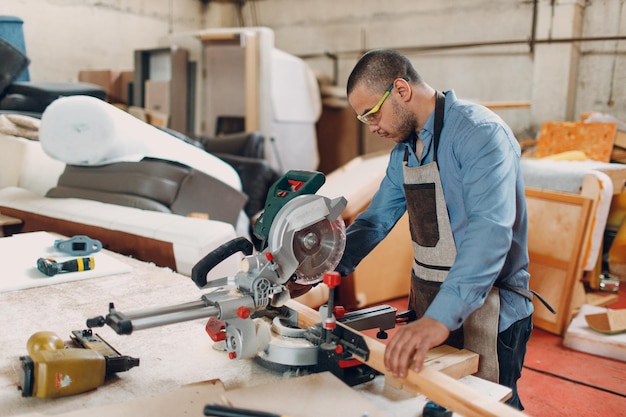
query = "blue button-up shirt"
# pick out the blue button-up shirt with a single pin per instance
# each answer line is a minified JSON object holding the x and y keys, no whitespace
{"x":478,"y":160}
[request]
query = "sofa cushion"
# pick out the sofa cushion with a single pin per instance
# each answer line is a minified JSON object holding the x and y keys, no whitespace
{"x":153,"y":184}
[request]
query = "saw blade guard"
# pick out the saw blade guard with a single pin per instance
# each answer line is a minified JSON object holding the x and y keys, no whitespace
{"x":308,"y":237}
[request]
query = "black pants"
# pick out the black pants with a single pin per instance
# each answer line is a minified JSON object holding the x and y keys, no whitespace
{"x":511,"y":352}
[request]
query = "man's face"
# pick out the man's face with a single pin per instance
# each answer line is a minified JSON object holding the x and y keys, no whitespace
{"x":389,"y":118}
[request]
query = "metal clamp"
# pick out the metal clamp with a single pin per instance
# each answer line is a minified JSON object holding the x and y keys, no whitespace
{"x":78,"y":245}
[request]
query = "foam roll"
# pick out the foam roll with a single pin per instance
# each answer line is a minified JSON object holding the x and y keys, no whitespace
{"x":84,"y":130}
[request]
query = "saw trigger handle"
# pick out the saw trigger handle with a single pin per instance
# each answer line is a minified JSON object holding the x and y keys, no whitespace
{"x":210,"y":261}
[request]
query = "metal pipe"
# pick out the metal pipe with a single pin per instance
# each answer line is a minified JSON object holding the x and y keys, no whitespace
{"x":428,"y":48}
{"x":533,"y":26}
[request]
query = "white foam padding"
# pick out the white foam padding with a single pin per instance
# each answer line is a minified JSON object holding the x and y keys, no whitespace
{"x":83,"y":130}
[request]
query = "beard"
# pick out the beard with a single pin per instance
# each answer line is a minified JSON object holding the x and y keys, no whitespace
{"x":405,"y":126}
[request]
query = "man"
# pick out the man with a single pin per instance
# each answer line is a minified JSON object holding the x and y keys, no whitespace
{"x":455,"y":169}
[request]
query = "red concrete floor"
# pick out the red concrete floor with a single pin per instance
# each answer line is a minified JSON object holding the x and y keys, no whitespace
{"x":560,"y":382}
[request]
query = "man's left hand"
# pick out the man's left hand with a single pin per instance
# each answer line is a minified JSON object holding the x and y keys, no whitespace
{"x":408,"y":347}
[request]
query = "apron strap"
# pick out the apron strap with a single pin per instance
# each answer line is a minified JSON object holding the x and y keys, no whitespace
{"x":439,"y":110}
{"x":528,"y":294}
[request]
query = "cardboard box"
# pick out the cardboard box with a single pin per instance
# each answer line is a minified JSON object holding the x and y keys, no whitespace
{"x":114,"y":82}
{"x":157,"y":96}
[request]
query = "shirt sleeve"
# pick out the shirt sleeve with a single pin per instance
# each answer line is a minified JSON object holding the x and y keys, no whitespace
{"x":487,"y":164}
{"x":372,"y":225}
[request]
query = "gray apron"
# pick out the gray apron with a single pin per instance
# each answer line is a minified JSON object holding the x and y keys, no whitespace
{"x":434,"y":254}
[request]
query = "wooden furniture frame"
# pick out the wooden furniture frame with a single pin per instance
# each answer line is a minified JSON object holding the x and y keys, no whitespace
{"x":558,"y":225}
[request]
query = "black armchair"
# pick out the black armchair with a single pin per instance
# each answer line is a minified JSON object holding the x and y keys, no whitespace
{"x":33,"y":97}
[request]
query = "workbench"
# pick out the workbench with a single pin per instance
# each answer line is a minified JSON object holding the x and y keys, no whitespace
{"x":171,"y":356}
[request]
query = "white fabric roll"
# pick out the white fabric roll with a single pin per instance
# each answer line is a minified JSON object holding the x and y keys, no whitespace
{"x":296,"y":107}
{"x":83,"y":130}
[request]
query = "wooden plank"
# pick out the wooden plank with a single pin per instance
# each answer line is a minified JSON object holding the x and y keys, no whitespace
{"x":497,"y":105}
{"x":437,"y":386}
{"x":206,"y":37}
{"x":455,"y":363}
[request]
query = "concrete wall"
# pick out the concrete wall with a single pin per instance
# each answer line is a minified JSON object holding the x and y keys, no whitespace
{"x":65,"y":36}
{"x":482,"y":48}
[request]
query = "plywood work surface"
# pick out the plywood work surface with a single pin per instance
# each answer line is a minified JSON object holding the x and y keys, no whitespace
{"x":173,"y":358}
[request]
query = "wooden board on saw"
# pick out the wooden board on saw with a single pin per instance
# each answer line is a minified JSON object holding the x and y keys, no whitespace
{"x":558,"y":224}
{"x":594,"y":139}
{"x":434,"y":384}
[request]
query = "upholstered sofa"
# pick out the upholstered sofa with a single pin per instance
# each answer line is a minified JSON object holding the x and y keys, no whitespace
{"x":27,"y":174}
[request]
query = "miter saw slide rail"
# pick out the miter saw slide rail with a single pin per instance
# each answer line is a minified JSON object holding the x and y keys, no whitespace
{"x":126,"y":323}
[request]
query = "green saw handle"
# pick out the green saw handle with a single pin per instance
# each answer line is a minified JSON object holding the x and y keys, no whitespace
{"x":289,"y":186}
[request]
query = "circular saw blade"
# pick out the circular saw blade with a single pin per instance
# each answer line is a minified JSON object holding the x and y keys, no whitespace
{"x":318,"y":249}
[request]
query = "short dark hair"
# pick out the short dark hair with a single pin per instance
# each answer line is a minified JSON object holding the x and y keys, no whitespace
{"x":379,"y":67}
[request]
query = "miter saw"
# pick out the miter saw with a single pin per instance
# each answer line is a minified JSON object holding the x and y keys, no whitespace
{"x":303,"y":238}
